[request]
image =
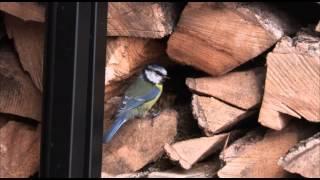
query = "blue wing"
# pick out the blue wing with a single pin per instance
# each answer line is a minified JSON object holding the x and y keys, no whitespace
{"x":130,"y":103}
{"x":120,"y":120}
{"x":126,"y":106}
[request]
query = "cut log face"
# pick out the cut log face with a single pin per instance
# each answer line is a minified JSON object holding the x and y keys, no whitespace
{"x":29,"y":42}
{"x":217,"y":37}
{"x":18,"y":94}
{"x":292,"y":84}
{"x":127,"y":175}
{"x":201,"y":170}
{"x":27,"y":11}
{"x":243,"y":89}
{"x":141,"y":19}
{"x":318,"y":27}
{"x":215,"y":116}
{"x":138,"y":143}
{"x":257,"y":157}
{"x":191,"y":151}
{"x":19,"y":150}
{"x":304,"y":158}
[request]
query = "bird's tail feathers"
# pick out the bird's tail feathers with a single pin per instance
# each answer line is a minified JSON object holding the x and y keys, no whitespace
{"x":120,"y":120}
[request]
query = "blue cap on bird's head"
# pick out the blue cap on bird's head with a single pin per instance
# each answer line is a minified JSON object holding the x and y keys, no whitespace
{"x":155,"y":73}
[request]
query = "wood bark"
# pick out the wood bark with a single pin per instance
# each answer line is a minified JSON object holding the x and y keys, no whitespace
{"x":217,"y":37}
{"x":141,"y":19}
{"x":29,"y":41}
{"x":27,"y":11}
{"x":292,"y":84}
{"x":257,"y":154}
{"x":18,"y":94}
{"x":304,"y":158}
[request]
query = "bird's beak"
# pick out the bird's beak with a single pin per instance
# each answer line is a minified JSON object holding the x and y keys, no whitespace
{"x":166,"y":77}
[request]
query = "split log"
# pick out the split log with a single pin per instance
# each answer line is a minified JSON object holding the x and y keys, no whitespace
{"x":304,"y":158}
{"x":141,"y":19}
{"x":29,"y":42}
{"x":292,"y":83}
{"x":191,"y":151}
{"x":242,"y":89}
{"x":127,"y":175}
{"x":3,"y":121}
{"x":257,"y":155}
{"x":201,"y":170}
{"x":18,"y":94}
{"x":19,"y":150}
{"x":139,"y":142}
{"x":217,"y":37}
{"x":126,"y":56}
{"x":27,"y":11}
{"x":215,"y":116}
{"x":318,"y":27}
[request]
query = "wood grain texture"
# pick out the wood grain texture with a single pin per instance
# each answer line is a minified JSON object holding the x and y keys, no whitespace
{"x":257,"y":155}
{"x":201,"y":170}
{"x":215,"y":116}
{"x":18,"y":94}
{"x":141,"y":19}
{"x":243,"y":89}
{"x":29,"y":40}
{"x":27,"y":11}
{"x":138,"y":143}
{"x":292,"y":84}
{"x":125,"y":56}
{"x":304,"y":158}
{"x":216,"y":37}
{"x":191,"y":151}
{"x":19,"y":150}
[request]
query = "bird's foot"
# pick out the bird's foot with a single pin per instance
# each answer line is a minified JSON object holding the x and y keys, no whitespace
{"x":153,"y":114}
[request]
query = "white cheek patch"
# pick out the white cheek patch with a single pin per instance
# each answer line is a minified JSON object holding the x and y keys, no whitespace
{"x":153,"y":77}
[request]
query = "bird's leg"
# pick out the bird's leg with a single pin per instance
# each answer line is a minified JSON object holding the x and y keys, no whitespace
{"x":153,"y":113}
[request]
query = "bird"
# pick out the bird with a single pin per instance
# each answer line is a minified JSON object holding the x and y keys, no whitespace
{"x":139,"y":98}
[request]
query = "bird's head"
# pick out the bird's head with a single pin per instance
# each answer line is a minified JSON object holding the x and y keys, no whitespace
{"x":155,"y":73}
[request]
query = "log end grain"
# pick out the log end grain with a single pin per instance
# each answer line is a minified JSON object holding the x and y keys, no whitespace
{"x":139,"y":142}
{"x":143,"y":19}
{"x":27,"y":11}
{"x":292,"y":83}
{"x":189,"y":152}
{"x":208,"y":36}
{"x":19,"y":150}
{"x":255,"y":160}
{"x":303,"y":158}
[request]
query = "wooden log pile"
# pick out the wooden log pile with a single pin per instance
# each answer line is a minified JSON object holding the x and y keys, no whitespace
{"x":243,"y":98}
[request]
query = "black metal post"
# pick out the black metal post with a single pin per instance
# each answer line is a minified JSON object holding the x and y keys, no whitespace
{"x":74,"y":66}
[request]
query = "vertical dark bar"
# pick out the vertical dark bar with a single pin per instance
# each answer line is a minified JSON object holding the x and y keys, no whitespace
{"x":73,"y":90}
{"x":96,"y":97}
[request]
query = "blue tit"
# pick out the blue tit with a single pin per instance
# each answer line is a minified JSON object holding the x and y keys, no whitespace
{"x":139,"y":98}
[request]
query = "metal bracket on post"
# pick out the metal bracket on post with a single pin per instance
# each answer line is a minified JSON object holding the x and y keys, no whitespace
{"x":74,"y":66}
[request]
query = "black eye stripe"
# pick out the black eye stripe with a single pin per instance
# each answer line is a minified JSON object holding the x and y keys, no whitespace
{"x":156,"y":71}
{"x":159,"y":73}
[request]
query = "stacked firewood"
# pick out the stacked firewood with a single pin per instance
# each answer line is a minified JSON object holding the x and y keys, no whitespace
{"x":243,"y":98}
